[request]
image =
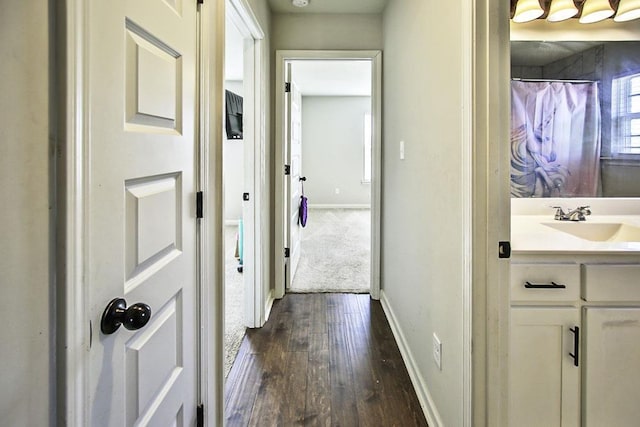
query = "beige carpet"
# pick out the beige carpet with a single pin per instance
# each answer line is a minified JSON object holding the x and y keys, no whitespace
{"x":336,"y":252}
{"x":234,"y":329}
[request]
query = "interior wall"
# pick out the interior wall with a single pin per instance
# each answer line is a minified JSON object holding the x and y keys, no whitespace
{"x":326,"y":31}
{"x":27,"y":374}
{"x":332,"y":149}
{"x":422,"y":275}
{"x":233,"y":164}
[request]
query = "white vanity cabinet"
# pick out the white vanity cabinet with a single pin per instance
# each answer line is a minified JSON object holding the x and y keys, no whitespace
{"x":574,"y":341}
{"x":611,"y":319}
{"x":611,"y":369}
{"x":544,"y":381}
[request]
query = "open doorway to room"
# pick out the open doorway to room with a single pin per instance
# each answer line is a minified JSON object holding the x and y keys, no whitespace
{"x":328,"y":133}
{"x":335,"y":164}
{"x":233,"y":173}
{"x":243,"y":177}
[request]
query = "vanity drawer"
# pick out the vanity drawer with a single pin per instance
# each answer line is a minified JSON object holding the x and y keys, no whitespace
{"x":611,"y":282}
{"x":545,"y":282}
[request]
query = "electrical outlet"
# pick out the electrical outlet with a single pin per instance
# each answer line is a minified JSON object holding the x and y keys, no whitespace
{"x":337,"y":191}
{"x":437,"y":351}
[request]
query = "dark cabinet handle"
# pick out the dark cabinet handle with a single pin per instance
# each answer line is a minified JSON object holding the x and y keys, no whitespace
{"x":552,"y":285}
{"x":117,"y":313}
{"x":576,"y":345}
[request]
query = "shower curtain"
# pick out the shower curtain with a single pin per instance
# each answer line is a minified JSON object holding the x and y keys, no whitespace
{"x":555,"y":139}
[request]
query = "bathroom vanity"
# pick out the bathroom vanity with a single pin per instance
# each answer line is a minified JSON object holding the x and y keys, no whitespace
{"x":575,"y":317}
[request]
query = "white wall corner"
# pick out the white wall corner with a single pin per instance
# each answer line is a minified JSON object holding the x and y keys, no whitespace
{"x":419,"y":384}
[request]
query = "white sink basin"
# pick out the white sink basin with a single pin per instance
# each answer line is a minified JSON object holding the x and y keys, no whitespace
{"x":598,"y":231}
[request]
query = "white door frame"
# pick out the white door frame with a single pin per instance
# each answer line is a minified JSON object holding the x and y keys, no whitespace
{"x":211,"y":242}
{"x":73,"y":311}
{"x":254,"y":140}
{"x":490,"y":73}
{"x":283,"y":56}
{"x":74,"y":332}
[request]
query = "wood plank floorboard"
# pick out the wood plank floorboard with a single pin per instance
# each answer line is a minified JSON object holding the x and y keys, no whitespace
{"x":321,"y":360}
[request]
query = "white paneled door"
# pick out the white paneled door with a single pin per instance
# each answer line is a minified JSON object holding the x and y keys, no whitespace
{"x":141,"y":165}
{"x":294,"y":160}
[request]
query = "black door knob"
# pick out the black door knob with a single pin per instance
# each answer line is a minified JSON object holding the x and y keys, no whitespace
{"x":117,"y":313}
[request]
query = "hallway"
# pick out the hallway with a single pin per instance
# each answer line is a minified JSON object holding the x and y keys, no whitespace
{"x":321,"y":359}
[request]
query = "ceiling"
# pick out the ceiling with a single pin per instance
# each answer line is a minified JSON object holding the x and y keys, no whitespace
{"x":329,"y":6}
{"x":540,"y":53}
{"x":332,"y":77}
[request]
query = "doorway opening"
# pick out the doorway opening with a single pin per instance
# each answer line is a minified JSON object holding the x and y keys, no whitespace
{"x":233,"y":173}
{"x":322,"y":122}
{"x":243,"y":177}
{"x":335,"y":164}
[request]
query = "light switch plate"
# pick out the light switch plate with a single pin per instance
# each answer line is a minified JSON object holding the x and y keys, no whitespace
{"x":401,"y":150}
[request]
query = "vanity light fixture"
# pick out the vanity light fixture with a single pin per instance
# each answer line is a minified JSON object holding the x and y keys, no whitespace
{"x":595,"y":10}
{"x":561,"y":10}
{"x":300,"y":3}
{"x":627,"y":10}
{"x":527,"y":10}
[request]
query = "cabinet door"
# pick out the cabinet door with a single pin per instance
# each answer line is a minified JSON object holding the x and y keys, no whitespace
{"x":612,"y":367}
{"x":544,"y":383}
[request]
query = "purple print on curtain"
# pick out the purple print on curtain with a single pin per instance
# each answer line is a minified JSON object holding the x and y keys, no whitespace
{"x":555,"y":139}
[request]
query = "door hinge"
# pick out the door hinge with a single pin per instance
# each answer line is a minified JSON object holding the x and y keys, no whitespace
{"x":504,"y":249}
{"x":287,"y":169}
{"x":200,"y":415}
{"x":245,"y":197}
{"x":287,"y":87}
{"x":199,"y":205}
{"x":286,"y":252}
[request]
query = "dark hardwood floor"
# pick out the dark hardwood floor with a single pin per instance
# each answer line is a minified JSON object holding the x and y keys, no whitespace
{"x":321,"y":360}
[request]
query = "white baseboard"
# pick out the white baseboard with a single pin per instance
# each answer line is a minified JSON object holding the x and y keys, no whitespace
{"x":335,"y":206}
{"x":231,"y":221}
{"x":269,"y":305}
{"x":426,"y":401}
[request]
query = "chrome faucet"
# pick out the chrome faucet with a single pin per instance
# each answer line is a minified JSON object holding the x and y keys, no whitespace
{"x":577,"y":214}
{"x":560,"y":215}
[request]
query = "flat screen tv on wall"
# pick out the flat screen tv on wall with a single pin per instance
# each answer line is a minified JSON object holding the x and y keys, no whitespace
{"x":233,"y":115}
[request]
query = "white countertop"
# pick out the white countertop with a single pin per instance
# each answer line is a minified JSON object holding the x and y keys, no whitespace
{"x":530,"y":235}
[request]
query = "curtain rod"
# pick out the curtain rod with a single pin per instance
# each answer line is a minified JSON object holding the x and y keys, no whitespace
{"x":553,"y":80}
